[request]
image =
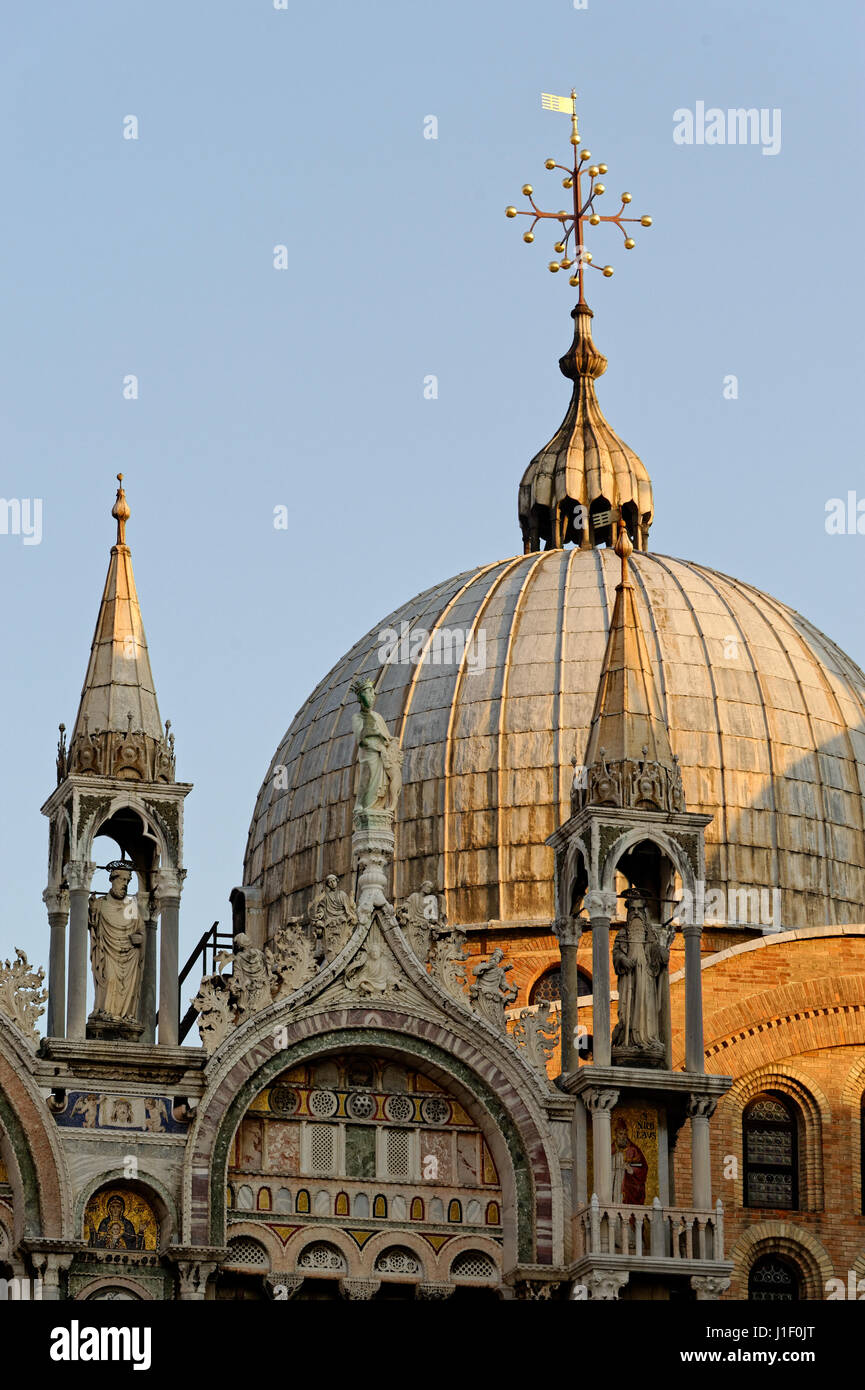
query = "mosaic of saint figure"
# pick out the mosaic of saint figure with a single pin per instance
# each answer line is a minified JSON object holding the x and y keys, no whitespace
{"x":115,"y":1231}
{"x":630,"y":1168}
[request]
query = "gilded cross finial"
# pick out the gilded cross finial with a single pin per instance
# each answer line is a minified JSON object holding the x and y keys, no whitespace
{"x":583,"y":183}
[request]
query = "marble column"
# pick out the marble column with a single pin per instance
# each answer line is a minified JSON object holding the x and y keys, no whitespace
{"x":568,"y":931}
{"x":147,"y":1007}
{"x":57,"y":902}
{"x":701,"y":1109}
{"x":694,"y":1055}
{"x":599,"y":1102}
{"x":79,"y":876}
{"x":600,"y":907}
{"x":168,"y":889}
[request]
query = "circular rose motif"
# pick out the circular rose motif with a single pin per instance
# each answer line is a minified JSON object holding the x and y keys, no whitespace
{"x":322,"y":1104}
{"x":436,"y":1110}
{"x":361,"y":1106}
{"x":284,"y":1100}
{"x":399,"y":1108}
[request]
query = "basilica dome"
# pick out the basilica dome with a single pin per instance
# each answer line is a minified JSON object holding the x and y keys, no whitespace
{"x":490,"y":688}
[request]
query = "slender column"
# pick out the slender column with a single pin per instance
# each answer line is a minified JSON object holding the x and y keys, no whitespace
{"x":600,"y":907}
{"x":168,"y":890}
{"x":147,"y":1010}
{"x":701,"y":1109}
{"x":694,"y":1056}
{"x":57,"y":902}
{"x":79,"y":875}
{"x":600,"y":1103}
{"x":568,"y":932}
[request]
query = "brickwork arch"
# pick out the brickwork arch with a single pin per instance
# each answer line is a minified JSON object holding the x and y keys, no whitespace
{"x":812,"y":1115}
{"x":781,"y":1238}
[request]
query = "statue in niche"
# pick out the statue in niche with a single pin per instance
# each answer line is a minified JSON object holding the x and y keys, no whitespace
{"x":333,"y":914}
{"x":491,"y":992}
{"x":116,"y":951}
{"x":537,"y":1030}
{"x":422,"y":919}
{"x":641,"y":953}
{"x":379,"y":755}
{"x":371,"y":972}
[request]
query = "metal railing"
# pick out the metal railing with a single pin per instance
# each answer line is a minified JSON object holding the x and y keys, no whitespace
{"x":209,"y":943}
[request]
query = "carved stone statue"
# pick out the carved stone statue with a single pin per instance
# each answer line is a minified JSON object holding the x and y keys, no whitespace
{"x":21,"y":994}
{"x":379,"y":755}
{"x":116,"y":952}
{"x":250,"y":981}
{"x":373,"y":972}
{"x":335,"y":914}
{"x":641,"y":953}
{"x":491,"y":992}
{"x":537,"y":1030}
{"x":422,"y":919}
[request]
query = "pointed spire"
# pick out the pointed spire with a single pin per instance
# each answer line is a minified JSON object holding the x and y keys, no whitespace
{"x":118,"y":731}
{"x":629,"y":761}
{"x":578,"y":485}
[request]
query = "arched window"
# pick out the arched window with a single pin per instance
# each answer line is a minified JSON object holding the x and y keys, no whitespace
{"x":769,"y":1146}
{"x":774,"y":1280}
{"x":548,"y":987}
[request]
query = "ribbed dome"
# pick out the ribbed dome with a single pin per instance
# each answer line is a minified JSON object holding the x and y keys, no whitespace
{"x":765,"y":713}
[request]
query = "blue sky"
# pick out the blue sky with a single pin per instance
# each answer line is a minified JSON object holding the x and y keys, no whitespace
{"x":304,"y":387}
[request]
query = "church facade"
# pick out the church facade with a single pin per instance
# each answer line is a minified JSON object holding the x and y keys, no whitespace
{"x":545,"y":978}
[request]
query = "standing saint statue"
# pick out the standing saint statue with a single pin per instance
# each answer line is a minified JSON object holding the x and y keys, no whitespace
{"x":422,"y":919}
{"x":379,"y":755}
{"x":116,"y":951}
{"x":640,"y":957}
{"x":491,"y":991}
{"x":334,"y":914}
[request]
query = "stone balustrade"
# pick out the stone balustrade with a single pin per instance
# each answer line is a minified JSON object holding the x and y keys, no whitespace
{"x":654,"y":1232}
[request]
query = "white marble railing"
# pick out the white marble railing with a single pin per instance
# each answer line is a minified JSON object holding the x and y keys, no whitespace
{"x":654,"y":1232}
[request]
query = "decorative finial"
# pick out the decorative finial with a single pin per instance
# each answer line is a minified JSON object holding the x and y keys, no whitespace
{"x":623,"y":548}
{"x":571,"y":244}
{"x":121,"y":512}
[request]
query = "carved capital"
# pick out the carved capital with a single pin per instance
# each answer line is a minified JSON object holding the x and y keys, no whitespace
{"x":709,"y":1286}
{"x":78,"y":874}
{"x":599,"y":904}
{"x":359,"y":1289}
{"x":433,"y":1291}
{"x":606,"y":1284}
{"x":567,"y":930}
{"x":193,"y":1276}
{"x":167,"y":887}
{"x":597,"y":1101}
{"x":57,"y":902}
{"x":701,"y":1107}
{"x":281,"y":1286}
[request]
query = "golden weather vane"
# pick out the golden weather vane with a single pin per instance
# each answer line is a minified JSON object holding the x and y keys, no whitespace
{"x":571,"y":245}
